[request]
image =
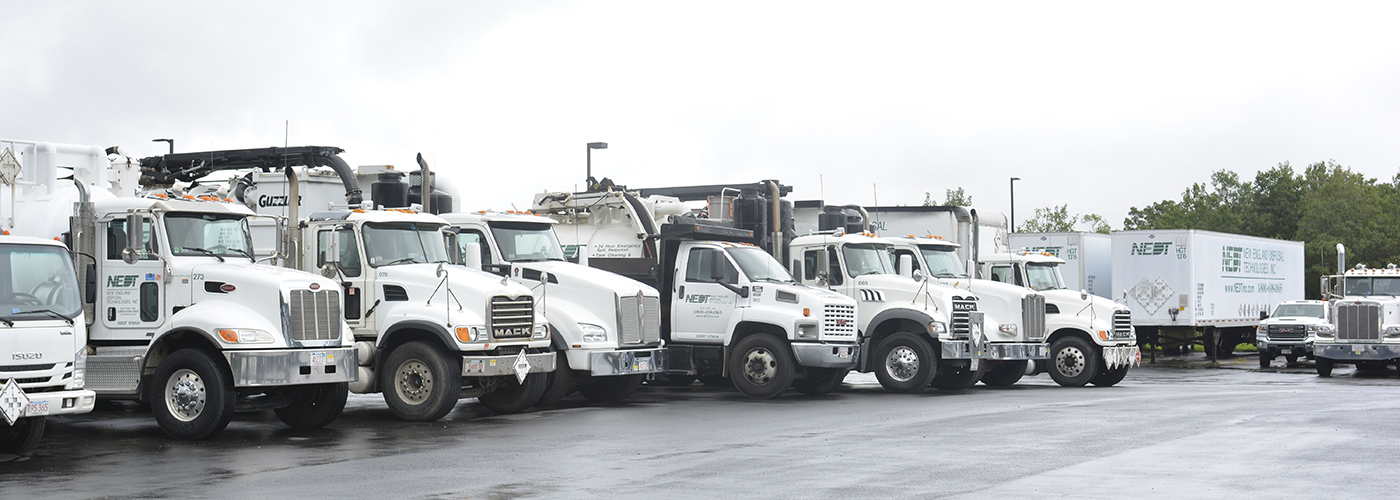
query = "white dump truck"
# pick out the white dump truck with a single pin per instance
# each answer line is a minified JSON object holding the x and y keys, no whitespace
{"x":728,"y":308}
{"x":428,"y":332}
{"x":606,"y":327}
{"x":1184,"y":284}
{"x":1088,"y":257}
{"x":1291,"y":330}
{"x":43,"y":330}
{"x":1365,"y":309}
{"x":181,"y":316}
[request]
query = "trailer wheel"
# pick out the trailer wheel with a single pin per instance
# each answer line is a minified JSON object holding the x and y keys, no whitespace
{"x":559,"y":382}
{"x":761,"y":366}
{"x":1324,"y":367}
{"x":1110,"y":378}
{"x":820,"y":381}
{"x":314,"y":406}
{"x":956,"y":378}
{"x":22,"y":436}
{"x":611,"y":389}
{"x":420,"y":382}
{"x":191,"y":397}
{"x":904,"y":363}
{"x":514,"y":397}
{"x":1073,"y":361}
{"x":1005,"y":374}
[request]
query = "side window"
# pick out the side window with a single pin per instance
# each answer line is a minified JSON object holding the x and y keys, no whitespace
{"x":835,"y":274}
{"x":900,"y":253}
{"x":150,"y":301}
{"x":698,"y":268}
{"x":809,"y":265}
{"x":1002,"y":274}
{"x":116,"y":239}
{"x":347,"y":246}
{"x":474,"y":236}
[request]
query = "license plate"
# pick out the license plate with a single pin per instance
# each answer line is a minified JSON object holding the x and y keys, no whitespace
{"x":318,"y":359}
{"x":643,"y":365}
{"x":37,"y":409}
{"x":475,"y":366}
{"x":1356,"y":349}
{"x":843,"y":352}
{"x":972,"y":364}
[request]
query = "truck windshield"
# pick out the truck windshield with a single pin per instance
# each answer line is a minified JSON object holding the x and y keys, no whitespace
{"x":1300,"y":310}
{"x":1373,"y":286}
{"x":526,"y":241}
{"x":391,"y":243}
{"x":36,"y":282}
{"x":758,"y":265}
{"x":1044,"y":277}
{"x":866,"y":258}
{"x":942,"y":262}
{"x":223,"y":235}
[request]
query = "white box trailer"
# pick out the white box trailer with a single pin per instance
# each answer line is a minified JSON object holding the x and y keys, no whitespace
{"x":1088,"y":257}
{"x":1185,"y":284}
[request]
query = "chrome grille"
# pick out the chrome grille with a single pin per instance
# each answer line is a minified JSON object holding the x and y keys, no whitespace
{"x":838,"y":321}
{"x":962,"y":317}
{"x":639,"y":324}
{"x":313,"y":315}
{"x":1288,"y":332}
{"x":512,"y":317}
{"x":1359,"y":321}
{"x":1122,"y":324}
{"x":1033,"y":316}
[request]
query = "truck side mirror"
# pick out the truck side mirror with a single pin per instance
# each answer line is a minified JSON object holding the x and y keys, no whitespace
{"x":449,"y":239}
{"x":1263,"y":315}
{"x":823,"y":263}
{"x":471,"y":255}
{"x":134,"y":239}
{"x":330,"y":254}
{"x":90,"y":288}
{"x":906,"y":265}
{"x":716,"y":268}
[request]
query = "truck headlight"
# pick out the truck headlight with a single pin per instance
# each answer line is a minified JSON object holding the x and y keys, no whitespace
{"x":246,"y":336}
{"x":1326,"y":331}
{"x":937,"y":328}
{"x":808,"y":331}
{"x":593,"y":333}
{"x":1392,"y":332}
{"x":1008,"y":328}
{"x":472,"y":334}
{"x":79,"y":369}
{"x":541,"y":332}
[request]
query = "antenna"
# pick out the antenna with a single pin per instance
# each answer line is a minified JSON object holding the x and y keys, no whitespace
{"x":876,"y":193}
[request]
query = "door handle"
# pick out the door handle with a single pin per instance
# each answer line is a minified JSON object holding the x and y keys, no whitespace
{"x":681,"y":292}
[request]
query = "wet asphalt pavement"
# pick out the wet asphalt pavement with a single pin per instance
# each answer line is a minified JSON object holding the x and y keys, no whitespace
{"x":1163,"y":433}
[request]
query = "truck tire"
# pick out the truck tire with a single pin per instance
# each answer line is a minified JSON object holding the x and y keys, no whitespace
{"x":1324,"y":367}
{"x":22,"y":436}
{"x":611,"y":389}
{"x":904,"y":363}
{"x":559,"y":382}
{"x":313,"y":406}
{"x":956,"y":378}
{"x":674,"y":380}
{"x":191,"y":397}
{"x":1110,"y":378}
{"x":761,"y":366}
{"x":421,"y":383}
{"x":514,"y":397}
{"x":1005,"y":374}
{"x":1073,"y":361}
{"x":1264,"y":359}
{"x":820,"y":381}
{"x":1291,"y":358}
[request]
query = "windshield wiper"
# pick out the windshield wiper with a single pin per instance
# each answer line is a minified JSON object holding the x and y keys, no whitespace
{"x":50,"y":312}
{"x":946,"y":274}
{"x":770,"y":280}
{"x":400,"y":261}
{"x":204,"y":251}
{"x":242,"y":252}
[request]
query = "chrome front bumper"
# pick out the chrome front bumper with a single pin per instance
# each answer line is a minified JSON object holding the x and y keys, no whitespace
{"x":495,"y":366}
{"x":825,"y":355}
{"x":1285,"y":345}
{"x":958,"y":349}
{"x":1017,"y":351}
{"x":1356,"y":352}
{"x":292,"y":366}
{"x":47,"y":404}
{"x":606,"y":363}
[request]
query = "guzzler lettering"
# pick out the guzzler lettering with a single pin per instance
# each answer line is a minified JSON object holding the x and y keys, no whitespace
{"x":268,"y":200}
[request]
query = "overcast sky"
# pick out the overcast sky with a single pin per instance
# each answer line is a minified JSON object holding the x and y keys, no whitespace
{"x":1099,"y":105}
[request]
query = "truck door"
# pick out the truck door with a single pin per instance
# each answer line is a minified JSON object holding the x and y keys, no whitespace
{"x":701,"y":306}
{"x":809,"y":268}
{"x":131,"y":303}
{"x":1005,"y":273}
{"x":353,"y":281}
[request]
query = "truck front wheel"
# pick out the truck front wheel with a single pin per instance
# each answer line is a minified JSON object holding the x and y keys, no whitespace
{"x":956,"y":378}
{"x":313,"y":406}
{"x":560,"y":382}
{"x":191,"y":396}
{"x":610,"y":389}
{"x":1005,"y":374}
{"x":761,"y":366}
{"x":420,"y":382}
{"x":904,"y":363}
{"x":1073,"y":361}
{"x":513,"y":397}
{"x":1109,"y":378}
{"x":22,"y":436}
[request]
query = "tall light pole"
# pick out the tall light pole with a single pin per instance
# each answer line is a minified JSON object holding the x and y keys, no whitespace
{"x":588,"y":181}
{"x":1013,"y":203}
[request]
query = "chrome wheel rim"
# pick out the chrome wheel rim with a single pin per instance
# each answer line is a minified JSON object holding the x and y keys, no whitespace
{"x":185,"y":395}
{"x":1070,"y":361}
{"x":413,"y":382}
{"x":902,"y":363}
{"x":760,"y":366}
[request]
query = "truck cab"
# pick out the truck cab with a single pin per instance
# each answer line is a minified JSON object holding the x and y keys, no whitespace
{"x":1291,"y":330}
{"x":606,"y":327}
{"x":1091,"y":338}
{"x":42,"y":327}
{"x":1365,"y":311}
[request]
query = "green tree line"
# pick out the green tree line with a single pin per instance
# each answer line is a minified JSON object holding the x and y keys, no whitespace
{"x":1325,"y":205}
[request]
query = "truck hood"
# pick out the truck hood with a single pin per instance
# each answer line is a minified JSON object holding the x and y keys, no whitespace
{"x":253,"y":282}
{"x":581,"y":278}
{"x":419,"y":280}
{"x":1294,"y":320}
